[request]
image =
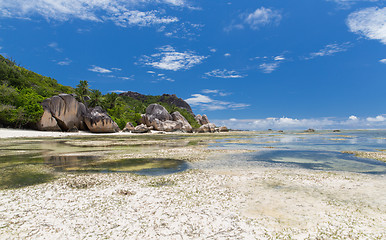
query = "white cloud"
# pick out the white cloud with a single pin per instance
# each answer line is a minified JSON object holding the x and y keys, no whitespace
{"x":262,"y":17}
{"x":118,"y":91}
{"x":122,"y":13}
{"x":379,"y":118}
{"x":213,"y":50}
{"x":224,"y":74}
{"x":215,"y":92}
{"x":207,"y":91}
{"x":279,"y":58}
{"x":227,"y":55}
{"x":169,"y":59}
{"x":269,"y":64}
{"x":205,"y":103}
{"x":99,"y":69}
{"x":269,"y":67}
{"x":348,"y":3}
{"x":65,"y":62}
{"x":383,"y":61}
{"x":330,"y":50}
{"x":369,"y":22}
{"x":185,"y":30}
{"x":104,"y":70}
{"x":285,"y":123}
{"x":55,"y":46}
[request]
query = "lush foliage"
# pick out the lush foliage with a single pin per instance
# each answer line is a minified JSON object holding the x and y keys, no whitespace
{"x":21,"y":92}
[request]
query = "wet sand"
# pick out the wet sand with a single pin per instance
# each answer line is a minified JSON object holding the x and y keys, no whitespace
{"x":250,"y":203}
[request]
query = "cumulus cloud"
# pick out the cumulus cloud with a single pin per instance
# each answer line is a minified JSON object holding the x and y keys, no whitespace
{"x":379,"y":118}
{"x":122,"y":13}
{"x":227,"y":55}
{"x":330,"y":50}
{"x":262,"y":17}
{"x":369,"y":22}
{"x":206,"y":103}
{"x":224,"y":74}
{"x":169,"y":59}
{"x":383,"y":61}
{"x":286,"y":123}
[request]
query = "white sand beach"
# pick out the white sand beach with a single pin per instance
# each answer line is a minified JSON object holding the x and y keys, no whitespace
{"x":250,"y":203}
{"x":258,"y":204}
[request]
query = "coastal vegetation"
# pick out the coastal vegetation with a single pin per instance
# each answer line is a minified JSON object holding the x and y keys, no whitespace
{"x":22,"y":91}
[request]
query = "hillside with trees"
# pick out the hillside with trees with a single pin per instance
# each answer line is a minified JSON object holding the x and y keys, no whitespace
{"x":22,"y":91}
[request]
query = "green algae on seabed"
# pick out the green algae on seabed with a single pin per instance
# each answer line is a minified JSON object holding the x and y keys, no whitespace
{"x":24,"y":175}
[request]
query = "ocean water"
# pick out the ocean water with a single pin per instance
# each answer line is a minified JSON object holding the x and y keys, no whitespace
{"x":317,"y":151}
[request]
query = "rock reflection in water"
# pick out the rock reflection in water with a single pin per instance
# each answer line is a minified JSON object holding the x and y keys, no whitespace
{"x":142,"y":166}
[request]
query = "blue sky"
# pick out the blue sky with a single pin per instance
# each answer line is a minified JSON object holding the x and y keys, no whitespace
{"x":246,"y":64}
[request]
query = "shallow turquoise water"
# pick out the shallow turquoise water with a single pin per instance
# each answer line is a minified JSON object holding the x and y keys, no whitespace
{"x":317,"y":151}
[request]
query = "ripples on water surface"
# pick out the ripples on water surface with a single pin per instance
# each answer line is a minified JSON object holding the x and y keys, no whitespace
{"x":318,"y":151}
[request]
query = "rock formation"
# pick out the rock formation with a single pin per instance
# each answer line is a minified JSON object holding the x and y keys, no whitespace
{"x":207,"y":128}
{"x":223,"y":129}
{"x":129,"y":127}
{"x":186,"y":127}
{"x":159,"y":118}
{"x":171,"y":99}
{"x":98,"y":121}
{"x":64,"y":113}
{"x":141,"y":129}
{"x":202,"y":120}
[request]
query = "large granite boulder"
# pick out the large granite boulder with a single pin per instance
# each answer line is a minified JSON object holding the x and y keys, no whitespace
{"x":98,"y":121}
{"x":186,"y":127}
{"x":129,"y":127}
{"x":158,"y":111}
{"x":223,"y":129}
{"x":159,"y":119}
{"x":141,"y":129}
{"x":202,"y":120}
{"x":207,"y":128}
{"x":47,"y":122}
{"x":66,"y":110}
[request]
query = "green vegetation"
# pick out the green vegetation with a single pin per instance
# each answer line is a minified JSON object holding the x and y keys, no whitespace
{"x":24,"y":175}
{"x":22,"y":91}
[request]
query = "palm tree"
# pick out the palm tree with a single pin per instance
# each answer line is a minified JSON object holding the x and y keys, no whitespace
{"x":95,"y":98}
{"x":82,"y":90}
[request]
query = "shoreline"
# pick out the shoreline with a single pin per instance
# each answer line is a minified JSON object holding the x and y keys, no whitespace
{"x":248,"y":203}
